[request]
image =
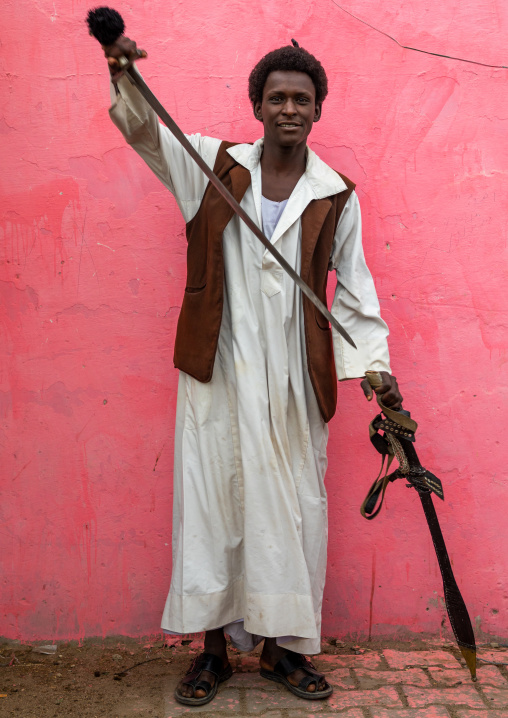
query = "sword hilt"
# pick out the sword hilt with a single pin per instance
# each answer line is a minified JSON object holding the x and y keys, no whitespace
{"x":374,"y":378}
{"x":107,"y":25}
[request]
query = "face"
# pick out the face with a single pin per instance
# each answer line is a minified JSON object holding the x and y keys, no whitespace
{"x":288,"y":108}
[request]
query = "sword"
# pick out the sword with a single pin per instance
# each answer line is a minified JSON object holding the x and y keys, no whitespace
{"x":106,"y":25}
{"x":398,"y":441}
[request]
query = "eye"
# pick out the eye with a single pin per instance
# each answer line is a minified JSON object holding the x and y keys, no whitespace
{"x":275,"y":98}
{"x":303,"y":100}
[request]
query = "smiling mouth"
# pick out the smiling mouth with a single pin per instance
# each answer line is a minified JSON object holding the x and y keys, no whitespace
{"x":289,"y":125}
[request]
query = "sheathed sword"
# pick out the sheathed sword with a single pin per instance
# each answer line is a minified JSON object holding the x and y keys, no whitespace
{"x":398,"y":441}
{"x":107,"y":25}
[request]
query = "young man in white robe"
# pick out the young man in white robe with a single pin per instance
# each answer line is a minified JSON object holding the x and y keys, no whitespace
{"x":250,"y":511}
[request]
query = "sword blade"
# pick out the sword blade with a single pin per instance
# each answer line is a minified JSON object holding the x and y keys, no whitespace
{"x":154,"y":103}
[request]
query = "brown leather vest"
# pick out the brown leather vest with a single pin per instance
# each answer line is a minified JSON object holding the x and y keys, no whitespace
{"x":201,"y":314}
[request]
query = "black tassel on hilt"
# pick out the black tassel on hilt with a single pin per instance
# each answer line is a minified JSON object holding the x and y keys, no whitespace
{"x":105,"y":24}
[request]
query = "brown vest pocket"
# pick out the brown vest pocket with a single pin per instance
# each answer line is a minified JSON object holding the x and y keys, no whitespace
{"x":321,"y":321}
{"x":197,"y":333}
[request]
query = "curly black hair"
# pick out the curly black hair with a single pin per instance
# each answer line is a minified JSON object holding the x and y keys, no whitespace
{"x":287,"y":59}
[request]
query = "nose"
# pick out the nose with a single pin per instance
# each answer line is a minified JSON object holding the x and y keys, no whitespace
{"x":289,"y":108}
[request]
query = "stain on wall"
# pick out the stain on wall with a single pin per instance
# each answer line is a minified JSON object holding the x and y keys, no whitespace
{"x":92,"y":270}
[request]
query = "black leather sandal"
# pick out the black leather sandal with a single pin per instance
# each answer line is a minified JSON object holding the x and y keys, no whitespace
{"x":290,"y":663}
{"x":203,"y":662}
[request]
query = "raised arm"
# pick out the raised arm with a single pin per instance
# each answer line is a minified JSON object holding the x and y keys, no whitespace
{"x":153,"y":141}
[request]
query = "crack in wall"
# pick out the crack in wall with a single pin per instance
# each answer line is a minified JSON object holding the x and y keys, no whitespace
{"x":416,"y":49}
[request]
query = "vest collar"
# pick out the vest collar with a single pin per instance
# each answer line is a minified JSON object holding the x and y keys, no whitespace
{"x":322,"y":180}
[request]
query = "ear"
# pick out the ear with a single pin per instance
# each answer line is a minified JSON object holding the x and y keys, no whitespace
{"x":257,"y":111}
{"x":317,"y":112}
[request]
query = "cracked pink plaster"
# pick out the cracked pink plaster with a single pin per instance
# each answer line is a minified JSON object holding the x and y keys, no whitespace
{"x":92,"y":270}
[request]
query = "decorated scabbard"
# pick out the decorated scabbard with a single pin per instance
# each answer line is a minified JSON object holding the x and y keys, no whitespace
{"x":398,"y":442}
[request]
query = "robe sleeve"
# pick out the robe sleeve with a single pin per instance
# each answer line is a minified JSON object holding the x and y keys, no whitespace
{"x":161,"y":151}
{"x":355,"y":304}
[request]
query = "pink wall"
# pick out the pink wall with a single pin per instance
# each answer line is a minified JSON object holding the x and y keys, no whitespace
{"x":92,"y":273}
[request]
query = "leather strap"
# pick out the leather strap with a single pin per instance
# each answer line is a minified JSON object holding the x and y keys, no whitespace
{"x":397,"y":416}
{"x":368,"y":509}
{"x":292,"y":662}
{"x":289,"y":663}
{"x":203,"y":662}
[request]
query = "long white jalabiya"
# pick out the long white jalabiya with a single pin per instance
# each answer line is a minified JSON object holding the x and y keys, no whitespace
{"x":250,"y":507}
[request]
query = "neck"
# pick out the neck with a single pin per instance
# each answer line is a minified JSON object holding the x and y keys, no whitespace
{"x":283,"y":160}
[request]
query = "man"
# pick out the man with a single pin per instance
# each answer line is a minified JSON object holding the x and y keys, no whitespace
{"x":258,"y":373}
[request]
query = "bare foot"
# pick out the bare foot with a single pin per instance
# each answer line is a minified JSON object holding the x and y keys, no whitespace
{"x":215,"y":643}
{"x":271,"y":655}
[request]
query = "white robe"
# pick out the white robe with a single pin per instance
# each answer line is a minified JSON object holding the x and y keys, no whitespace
{"x":250,"y":507}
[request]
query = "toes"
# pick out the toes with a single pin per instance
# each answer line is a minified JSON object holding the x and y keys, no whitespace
{"x":199,"y":693}
{"x":321,"y":687}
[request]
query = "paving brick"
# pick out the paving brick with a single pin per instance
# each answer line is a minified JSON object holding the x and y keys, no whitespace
{"x":340,"y":678}
{"x":249,"y":681}
{"x":281,"y":699}
{"x":487,"y":675}
{"x":431,"y":712}
{"x":461,"y":695}
{"x":499,"y":656}
{"x":386,"y":696}
{"x":366,"y":660}
{"x":248,"y":664}
{"x":496,"y":698}
{"x":450,"y":676}
{"x":308,"y":713}
{"x":439,"y":642}
{"x":401,"y":659}
{"x":461,"y":713}
{"x":409,"y":676}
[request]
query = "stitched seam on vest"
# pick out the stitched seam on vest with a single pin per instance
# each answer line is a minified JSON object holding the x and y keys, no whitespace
{"x":224,"y":165}
{"x":310,"y":366}
{"x":351,"y":188}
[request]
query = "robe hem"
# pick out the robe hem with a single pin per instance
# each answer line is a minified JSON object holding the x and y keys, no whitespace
{"x":263,"y":614}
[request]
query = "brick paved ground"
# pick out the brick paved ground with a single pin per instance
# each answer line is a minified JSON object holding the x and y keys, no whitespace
{"x":131,"y":678}
{"x":372,"y":684}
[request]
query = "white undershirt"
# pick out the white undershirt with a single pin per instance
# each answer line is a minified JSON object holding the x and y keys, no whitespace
{"x":271,"y":212}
